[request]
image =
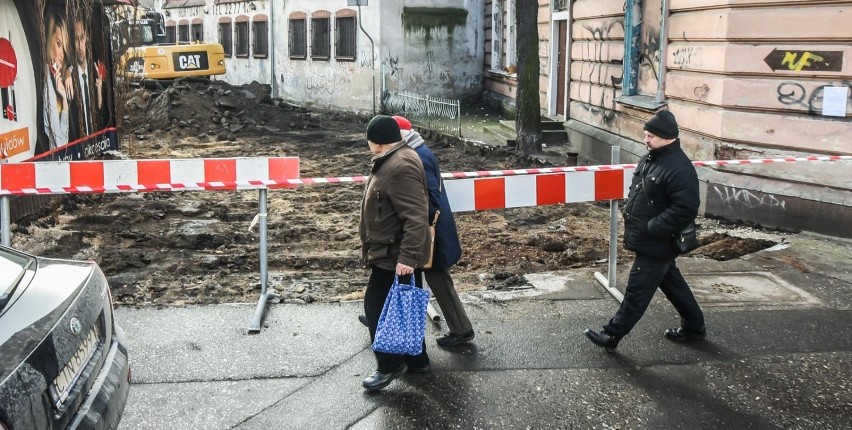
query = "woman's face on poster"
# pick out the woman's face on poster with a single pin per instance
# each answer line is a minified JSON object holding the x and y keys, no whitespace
{"x":58,"y":42}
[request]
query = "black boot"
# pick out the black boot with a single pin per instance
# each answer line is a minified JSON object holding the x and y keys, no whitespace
{"x":681,"y":335}
{"x":603,"y":339}
{"x":379,"y":380}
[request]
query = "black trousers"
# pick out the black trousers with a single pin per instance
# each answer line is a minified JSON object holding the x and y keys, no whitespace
{"x":378,"y":287}
{"x":646,"y":275}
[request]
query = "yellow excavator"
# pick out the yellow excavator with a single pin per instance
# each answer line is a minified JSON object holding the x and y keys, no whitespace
{"x":144,"y":53}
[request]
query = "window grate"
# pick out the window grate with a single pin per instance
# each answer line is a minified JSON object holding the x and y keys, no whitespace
{"x":320,"y":38}
{"x":242,"y":47}
{"x":226,"y":38}
{"x":261,"y":43}
{"x":345,"y":38}
{"x":298,"y":39}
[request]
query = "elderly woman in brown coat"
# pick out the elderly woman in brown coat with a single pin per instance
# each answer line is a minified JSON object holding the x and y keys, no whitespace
{"x":394,"y":234}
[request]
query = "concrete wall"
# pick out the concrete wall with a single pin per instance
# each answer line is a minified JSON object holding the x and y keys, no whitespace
{"x":332,"y":83}
{"x":433,"y":47}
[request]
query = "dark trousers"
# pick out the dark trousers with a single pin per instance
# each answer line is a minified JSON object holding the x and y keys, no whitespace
{"x":378,"y":287}
{"x":441,"y":284}
{"x":646,"y":275}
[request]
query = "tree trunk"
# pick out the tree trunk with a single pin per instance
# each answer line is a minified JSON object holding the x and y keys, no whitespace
{"x":528,"y":108}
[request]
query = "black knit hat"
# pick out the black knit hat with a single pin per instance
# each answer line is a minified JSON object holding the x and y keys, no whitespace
{"x":663,"y":125}
{"x":382,"y":130}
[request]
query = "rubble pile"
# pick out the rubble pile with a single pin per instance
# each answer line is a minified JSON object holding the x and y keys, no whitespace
{"x":209,"y":110}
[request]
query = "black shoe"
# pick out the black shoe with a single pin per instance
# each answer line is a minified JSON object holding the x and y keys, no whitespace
{"x":363,"y":319}
{"x":420,"y":370}
{"x":379,"y":380}
{"x":455,"y":339}
{"x":602,"y":339}
{"x":681,"y":335}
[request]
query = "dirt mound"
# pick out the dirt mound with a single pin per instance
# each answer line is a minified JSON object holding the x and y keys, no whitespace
{"x":196,"y":247}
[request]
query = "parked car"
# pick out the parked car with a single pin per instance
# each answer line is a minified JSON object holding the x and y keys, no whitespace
{"x":63,"y":359}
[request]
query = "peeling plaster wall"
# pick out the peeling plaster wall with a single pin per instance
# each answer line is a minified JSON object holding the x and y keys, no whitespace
{"x":240,"y":70}
{"x":433,"y":47}
{"x":329,"y":83}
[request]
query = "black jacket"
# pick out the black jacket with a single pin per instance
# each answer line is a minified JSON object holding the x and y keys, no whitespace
{"x":663,"y":199}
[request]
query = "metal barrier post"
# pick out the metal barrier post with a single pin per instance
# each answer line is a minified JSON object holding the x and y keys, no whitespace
{"x":458,"y":115}
{"x":610,"y":282}
{"x":5,"y":222}
{"x":257,"y":320}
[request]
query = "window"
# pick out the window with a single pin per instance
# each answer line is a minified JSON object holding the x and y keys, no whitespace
{"x":183,"y":32}
{"x":226,"y":37}
{"x":242,"y":29}
{"x":320,"y":40}
{"x":643,"y":53}
{"x":344,"y":38}
{"x":260,"y":45}
{"x":197,"y":33}
{"x":171,"y":34}
{"x":503,"y":56}
{"x":298,"y":38}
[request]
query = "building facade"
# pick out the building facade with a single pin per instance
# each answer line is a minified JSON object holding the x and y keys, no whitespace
{"x":745,"y":79}
{"x":335,"y":54}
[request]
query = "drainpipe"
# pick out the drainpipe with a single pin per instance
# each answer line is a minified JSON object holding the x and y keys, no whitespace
{"x":372,"y":52}
{"x":271,"y":39}
{"x":664,"y":43}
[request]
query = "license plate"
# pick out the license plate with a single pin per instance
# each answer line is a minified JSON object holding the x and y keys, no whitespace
{"x":61,"y":386}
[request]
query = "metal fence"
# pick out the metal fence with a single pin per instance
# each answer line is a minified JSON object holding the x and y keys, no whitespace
{"x":429,"y":112}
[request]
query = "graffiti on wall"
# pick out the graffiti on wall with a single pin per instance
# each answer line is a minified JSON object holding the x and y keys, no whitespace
{"x":733,"y":196}
{"x":805,"y":61}
{"x":649,"y":55}
{"x":688,"y":56}
{"x":328,"y":79}
{"x":598,"y":72}
{"x":792,"y":93}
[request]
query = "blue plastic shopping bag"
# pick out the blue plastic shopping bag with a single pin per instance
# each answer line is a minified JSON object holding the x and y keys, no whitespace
{"x":402,"y":324}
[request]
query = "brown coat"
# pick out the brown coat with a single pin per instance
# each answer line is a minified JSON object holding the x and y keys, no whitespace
{"x":394,"y":224}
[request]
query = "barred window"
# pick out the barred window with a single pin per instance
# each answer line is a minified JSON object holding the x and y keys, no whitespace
{"x":344,"y":41}
{"x":260,"y":48}
{"x":320,"y":38}
{"x":226,"y":38}
{"x":242,"y":48}
{"x":183,"y":32}
{"x":298,"y":39}
{"x":197,"y":32}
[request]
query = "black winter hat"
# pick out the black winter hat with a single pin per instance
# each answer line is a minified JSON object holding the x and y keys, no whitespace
{"x":663,"y":125}
{"x":382,"y":130}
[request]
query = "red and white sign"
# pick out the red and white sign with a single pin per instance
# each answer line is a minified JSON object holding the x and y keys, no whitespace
{"x":8,"y":63}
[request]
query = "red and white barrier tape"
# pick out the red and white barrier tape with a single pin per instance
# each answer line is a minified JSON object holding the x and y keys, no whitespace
{"x":242,"y":173}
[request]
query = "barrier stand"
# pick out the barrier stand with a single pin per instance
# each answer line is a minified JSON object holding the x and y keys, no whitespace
{"x":5,"y":222}
{"x":265,"y":295}
{"x":610,"y":282}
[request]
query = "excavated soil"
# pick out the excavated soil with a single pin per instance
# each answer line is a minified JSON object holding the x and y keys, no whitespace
{"x":196,"y":247}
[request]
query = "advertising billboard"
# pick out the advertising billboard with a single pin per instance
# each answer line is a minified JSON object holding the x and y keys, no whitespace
{"x":56,"y":81}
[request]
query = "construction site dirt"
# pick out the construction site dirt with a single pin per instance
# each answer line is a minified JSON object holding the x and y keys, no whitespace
{"x":176,"y":248}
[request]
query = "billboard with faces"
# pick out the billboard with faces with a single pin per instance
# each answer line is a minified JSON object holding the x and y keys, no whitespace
{"x":56,"y":84}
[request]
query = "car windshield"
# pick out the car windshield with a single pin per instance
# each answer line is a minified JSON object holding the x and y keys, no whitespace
{"x":13,"y":267}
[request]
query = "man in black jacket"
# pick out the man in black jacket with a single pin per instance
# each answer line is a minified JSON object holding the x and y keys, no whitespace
{"x":663,"y":200}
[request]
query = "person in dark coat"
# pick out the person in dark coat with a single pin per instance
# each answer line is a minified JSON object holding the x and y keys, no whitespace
{"x":662,"y":201}
{"x":447,"y":249}
{"x":394,"y":232}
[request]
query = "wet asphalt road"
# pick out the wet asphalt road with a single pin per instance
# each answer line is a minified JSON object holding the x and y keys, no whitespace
{"x":764,"y":365}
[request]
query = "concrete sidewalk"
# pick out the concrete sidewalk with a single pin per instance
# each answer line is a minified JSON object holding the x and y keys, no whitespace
{"x":778,"y":355}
